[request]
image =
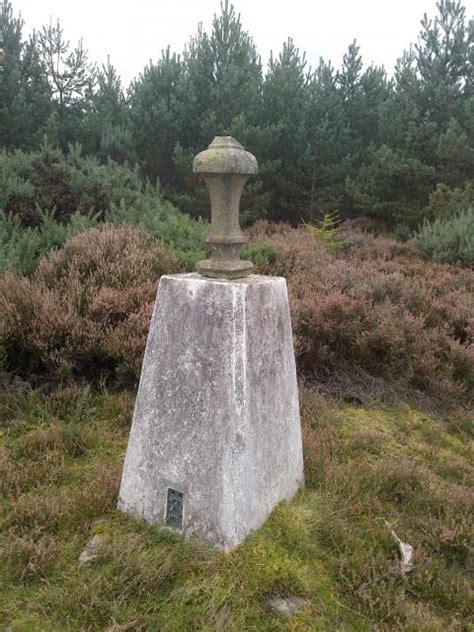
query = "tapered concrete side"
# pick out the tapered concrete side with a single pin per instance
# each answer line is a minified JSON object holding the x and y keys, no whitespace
{"x":216,"y":415}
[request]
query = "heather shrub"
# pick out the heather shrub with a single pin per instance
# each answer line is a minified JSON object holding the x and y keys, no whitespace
{"x":371,"y":311}
{"x":86,"y":309}
{"x":376,"y":308}
{"x":449,"y":239}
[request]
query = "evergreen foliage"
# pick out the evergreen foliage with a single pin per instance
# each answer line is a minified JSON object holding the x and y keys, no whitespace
{"x":327,"y":230}
{"x":156,"y":116}
{"x":62,"y":183}
{"x":106,"y":130}
{"x":47,"y":196}
{"x":285,"y":103}
{"x":22,"y":248}
{"x":446,"y":202}
{"x":449,"y":239}
{"x":181,"y":234}
{"x":349,"y":138}
{"x":392,"y":185}
{"x":70,"y":77}
{"x":25,"y":99}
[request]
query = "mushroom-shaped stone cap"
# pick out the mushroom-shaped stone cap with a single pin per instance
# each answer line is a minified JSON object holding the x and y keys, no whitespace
{"x":225,"y":155}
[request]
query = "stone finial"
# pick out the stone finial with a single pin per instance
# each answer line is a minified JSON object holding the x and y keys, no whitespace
{"x":225,"y":167}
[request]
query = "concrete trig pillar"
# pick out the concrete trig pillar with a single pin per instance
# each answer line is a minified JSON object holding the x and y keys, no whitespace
{"x":215,"y":441}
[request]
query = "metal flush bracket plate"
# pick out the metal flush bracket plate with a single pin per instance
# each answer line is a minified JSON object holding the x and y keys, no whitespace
{"x":174,"y":508}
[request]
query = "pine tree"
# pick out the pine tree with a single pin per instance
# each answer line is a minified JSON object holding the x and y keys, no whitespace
{"x":445,"y":52}
{"x":71,"y":79}
{"x":329,"y":136}
{"x":375,"y":92}
{"x":363,"y":94}
{"x":106,"y":126}
{"x":444,"y":62}
{"x":156,"y":116}
{"x":109,"y":99}
{"x":348,"y":78}
{"x":25,"y":105}
{"x":285,"y":101}
{"x":400,"y":116}
{"x":223,"y":78}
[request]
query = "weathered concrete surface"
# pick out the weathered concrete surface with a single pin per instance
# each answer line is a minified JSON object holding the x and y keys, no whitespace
{"x":225,"y":155}
{"x":217,"y":414}
{"x":225,"y":167}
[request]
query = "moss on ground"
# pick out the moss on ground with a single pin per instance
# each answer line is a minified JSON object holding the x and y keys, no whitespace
{"x":61,"y":456}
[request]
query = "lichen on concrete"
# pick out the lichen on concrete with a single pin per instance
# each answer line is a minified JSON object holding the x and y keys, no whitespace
{"x":217,"y":415}
{"x":225,"y":167}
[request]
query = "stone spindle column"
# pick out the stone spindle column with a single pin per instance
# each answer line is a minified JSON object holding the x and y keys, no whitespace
{"x":225,"y":167}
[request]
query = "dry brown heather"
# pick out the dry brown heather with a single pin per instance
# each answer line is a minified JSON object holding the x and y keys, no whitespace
{"x":86,"y":310}
{"x":370,"y":317}
{"x":368,"y":307}
{"x":60,"y":460}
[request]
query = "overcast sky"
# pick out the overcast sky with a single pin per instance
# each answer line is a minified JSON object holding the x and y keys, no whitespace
{"x":136,"y":31}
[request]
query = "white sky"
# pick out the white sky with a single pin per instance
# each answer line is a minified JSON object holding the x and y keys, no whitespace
{"x":133,"y":32}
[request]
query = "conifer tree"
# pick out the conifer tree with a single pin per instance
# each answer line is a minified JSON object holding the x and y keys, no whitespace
{"x":109,"y":99}
{"x":445,"y":52}
{"x":444,"y":61}
{"x":71,"y":79}
{"x":223,"y":77}
{"x":329,"y":134}
{"x":393,"y":183}
{"x":375,"y":92}
{"x":106,"y":129}
{"x":362,"y":93}
{"x":284,"y":105}
{"x":24,"y":94}
{"x":10,"y":74}
{"x":156,"y":120}
{"x":401,"y":116}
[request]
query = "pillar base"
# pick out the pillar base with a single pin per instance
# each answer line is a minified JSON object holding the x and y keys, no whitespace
{"x":225,"y":269}
{"x":215,"y":441}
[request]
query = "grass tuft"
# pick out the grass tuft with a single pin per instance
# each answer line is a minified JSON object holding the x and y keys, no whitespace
{"x":61,"y":456}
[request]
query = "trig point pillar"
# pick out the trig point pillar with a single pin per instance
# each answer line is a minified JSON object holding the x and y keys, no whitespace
{"x":215,"y":441}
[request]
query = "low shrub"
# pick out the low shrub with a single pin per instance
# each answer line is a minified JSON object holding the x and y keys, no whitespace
{"x":445,"y":202}
{"x":21,"y":248}
{"x":371,"y":311}
{"x":86,"y":310}
{"x":62,"y":183}
{"x":376,"y":307}
{"x":180,"y":233}
{"x":327,"y":229}
{"x":449,"y":239}
{"x":261,"y":254}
